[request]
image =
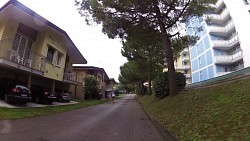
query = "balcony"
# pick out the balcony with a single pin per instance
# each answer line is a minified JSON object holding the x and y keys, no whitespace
{"x":187,"y":75}
{"x":222,"y":31}
{"x":185,"y":59}
{"x":225,"y":44}
{"x":218,"y":5}
{"x":186,"y":67}
{"x":229,"y":59}
{"x":222,"y":73}
{"x":185,"y":50}
{"x":218,"y":18}
{"x":21,"y":58}
{"x":73,"y":78}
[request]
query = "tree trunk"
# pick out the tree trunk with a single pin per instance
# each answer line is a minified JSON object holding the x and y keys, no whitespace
{"x":171,"y":69}
{"x":150,"y":79}
{"x":169,"y":52}
{"x":170,"y":61}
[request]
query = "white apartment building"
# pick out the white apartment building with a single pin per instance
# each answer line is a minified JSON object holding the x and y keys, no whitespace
{"x":224,"y":41}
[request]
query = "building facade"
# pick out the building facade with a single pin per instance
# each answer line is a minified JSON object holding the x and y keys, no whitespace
{"x":34,"y":50}
{"x":105,"y":84}
{"x":182,"y":64}
{"x":224,"y":44}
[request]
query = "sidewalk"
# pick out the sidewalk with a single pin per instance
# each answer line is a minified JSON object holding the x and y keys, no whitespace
{"x":32,"y":104}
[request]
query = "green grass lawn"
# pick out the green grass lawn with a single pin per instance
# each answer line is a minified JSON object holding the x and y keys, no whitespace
{"x":220,"y":113}
{"x":17,"y":113}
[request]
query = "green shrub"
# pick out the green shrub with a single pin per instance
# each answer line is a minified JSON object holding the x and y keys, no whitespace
{"x":161,"y":86}
{"x":91,"y":87}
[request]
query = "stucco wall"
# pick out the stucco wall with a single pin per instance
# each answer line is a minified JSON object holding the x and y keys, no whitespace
{"x":77,"y":92}
{"x":51,"y":69}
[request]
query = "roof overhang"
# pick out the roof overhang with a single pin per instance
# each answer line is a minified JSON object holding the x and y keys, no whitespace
{"x":77,"y":67}
{"x":19,"y":12}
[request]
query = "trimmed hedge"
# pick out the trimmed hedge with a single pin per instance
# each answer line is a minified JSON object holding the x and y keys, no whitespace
{"x":161,"y":86}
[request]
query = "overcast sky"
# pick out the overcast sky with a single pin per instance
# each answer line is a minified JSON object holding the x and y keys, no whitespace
{"x":91,"y":42}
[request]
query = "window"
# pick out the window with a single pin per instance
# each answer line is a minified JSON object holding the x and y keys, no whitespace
{"x":50,"y":54}
{"x":22,"y":45}
{"x":59,"y":59}
{"x":200,"y":75}
{"x":185,"y":71}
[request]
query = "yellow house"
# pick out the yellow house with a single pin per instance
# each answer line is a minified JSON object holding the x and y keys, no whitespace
{"x":183,"y":65}
{"x":104,"y":83}
{"x":36,"y":51}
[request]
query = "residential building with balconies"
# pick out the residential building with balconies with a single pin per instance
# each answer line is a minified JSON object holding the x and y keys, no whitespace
{"x":182,"y":64}
{"x":224,"y":44}
{"x":105,"y":85}
{"x":35,"y":51}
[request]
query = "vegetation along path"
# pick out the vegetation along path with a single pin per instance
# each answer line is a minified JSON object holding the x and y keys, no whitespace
{"x":124,"y":120}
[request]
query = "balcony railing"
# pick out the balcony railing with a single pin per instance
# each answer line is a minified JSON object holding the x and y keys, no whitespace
{"x":229,"y":59}
{"x":186,"y":67}
{"x":185,"y":50}
{"x":21,"y":55}
{"x":226,"y":44}
{"x":222,"y":31}
{"x":222,"y":73}
{"x":73,"y":77}
{"x":185,"y":58}
{"x":218,"y":18}
{"x":187,"y":75}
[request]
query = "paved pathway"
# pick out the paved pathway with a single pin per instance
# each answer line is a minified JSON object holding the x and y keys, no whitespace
{"x":122,"y":121}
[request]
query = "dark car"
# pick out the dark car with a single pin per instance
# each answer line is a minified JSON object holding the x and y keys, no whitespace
{"x":14,"y":91}
{"x":42,"y":95}
{"x":18,"y":94}
{"x":63,"y":96}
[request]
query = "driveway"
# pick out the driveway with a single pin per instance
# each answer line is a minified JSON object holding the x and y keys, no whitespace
{"x":32,"y":104}
{"x":124,"y":120}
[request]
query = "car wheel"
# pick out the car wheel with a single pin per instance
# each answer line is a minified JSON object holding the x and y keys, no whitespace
{"x":37,"y":100}
{"x":60,"y":99}
{"x":50,"y":102}
{"x":6,"y":98}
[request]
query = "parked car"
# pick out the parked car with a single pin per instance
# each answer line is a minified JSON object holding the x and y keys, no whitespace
{"x":63,"y":96}
{"x":42,"y":95}
{"x":13,"y":91}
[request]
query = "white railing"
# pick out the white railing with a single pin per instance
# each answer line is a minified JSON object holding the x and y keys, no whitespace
{"x":218,"y":18}
{"x":219,"y":3}
{"x":187,"y":75}
{"x":225,"y":29}
{"x":222,"y":73}
{"x":182,"y":67}
{"x":185,"y":50}
{"x":186,"y":58}
{"x":22,"y":56}
{"x":229,"y":58}
{"x":226,"y":43}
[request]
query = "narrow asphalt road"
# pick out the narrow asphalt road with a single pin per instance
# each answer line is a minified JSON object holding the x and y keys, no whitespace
{"x":124,"y":120}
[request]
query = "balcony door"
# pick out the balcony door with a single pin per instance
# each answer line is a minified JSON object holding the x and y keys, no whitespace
{"x":22,"y":45}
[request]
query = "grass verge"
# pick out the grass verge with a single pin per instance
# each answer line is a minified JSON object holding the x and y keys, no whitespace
{"x":219,"y":113}
{"x":17,"y":113}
